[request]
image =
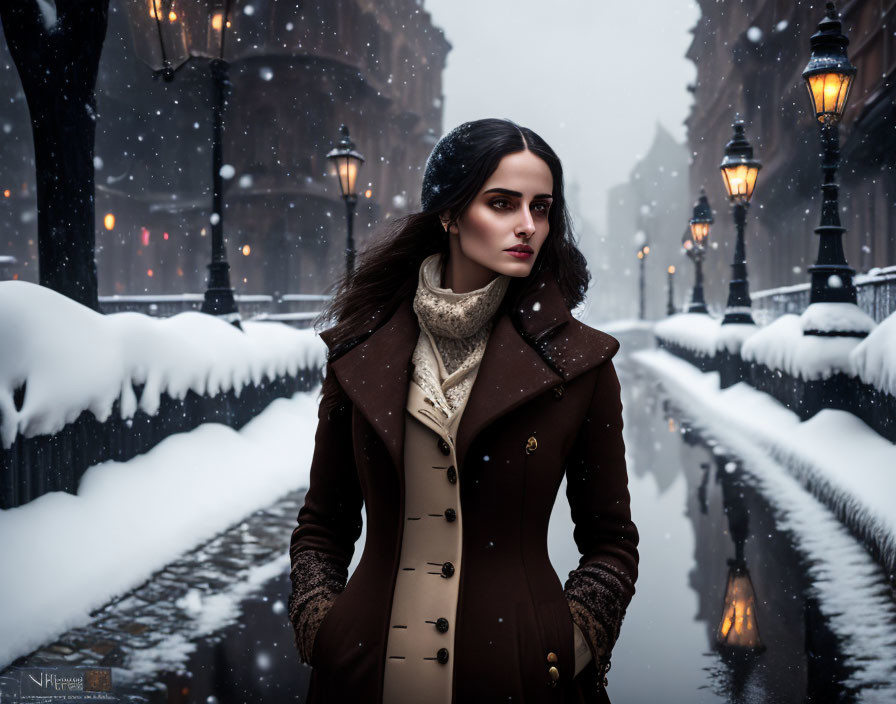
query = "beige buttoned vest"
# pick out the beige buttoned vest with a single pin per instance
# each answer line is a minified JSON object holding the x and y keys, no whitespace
{"x":420,"y":648}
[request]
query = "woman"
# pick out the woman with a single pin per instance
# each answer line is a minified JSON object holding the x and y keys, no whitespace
{"x":459,"y":389}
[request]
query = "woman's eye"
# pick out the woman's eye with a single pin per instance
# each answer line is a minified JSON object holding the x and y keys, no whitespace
{"x":541,"y":208}
{"x":500,"y":203}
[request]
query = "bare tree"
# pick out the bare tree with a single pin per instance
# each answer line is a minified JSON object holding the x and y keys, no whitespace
{"x":56,"y":48}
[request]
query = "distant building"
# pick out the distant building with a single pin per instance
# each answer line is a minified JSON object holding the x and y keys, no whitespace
{"x":749,"y":58}
{"x":656,"y":202}
{"x":301,"y":71}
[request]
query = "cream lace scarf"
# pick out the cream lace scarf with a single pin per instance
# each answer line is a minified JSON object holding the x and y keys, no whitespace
{"x":454,"y":329}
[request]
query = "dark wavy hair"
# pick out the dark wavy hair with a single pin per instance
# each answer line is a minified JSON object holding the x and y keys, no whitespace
{"x":387,"y":270}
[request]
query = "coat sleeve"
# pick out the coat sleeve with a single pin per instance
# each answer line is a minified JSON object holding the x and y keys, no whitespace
{"x":329,"y":523}
{"x":599,"y":590}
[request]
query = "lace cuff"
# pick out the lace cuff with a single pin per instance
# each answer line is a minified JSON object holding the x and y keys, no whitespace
{"x":316,"y":582}
{"x":598,"y":595}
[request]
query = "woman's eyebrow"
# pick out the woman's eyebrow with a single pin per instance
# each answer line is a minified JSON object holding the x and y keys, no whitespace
{"x":508,"y":192}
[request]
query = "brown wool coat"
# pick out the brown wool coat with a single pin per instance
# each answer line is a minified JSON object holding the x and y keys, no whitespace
{"x":511,"y":612}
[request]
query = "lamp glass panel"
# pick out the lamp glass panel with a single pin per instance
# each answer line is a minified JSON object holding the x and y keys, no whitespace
{"x":829,"y":92}
{"x":347,"y":171}
{"x":700,"y":231}
{"x":207,"y":24}
{"x":740,"y":180}
{"x":154,"y":42}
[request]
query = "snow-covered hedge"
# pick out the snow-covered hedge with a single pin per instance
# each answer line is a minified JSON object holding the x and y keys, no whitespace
{"x":693,"y":331}
{"x":71,"y":358}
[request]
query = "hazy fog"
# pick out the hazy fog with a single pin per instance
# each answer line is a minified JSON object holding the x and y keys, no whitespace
{"x":591,"y":77}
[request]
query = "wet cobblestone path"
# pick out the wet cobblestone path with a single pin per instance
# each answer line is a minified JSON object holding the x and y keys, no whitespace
{"x":210,"y":627}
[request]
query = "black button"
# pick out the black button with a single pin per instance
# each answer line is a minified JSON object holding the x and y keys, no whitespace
{"x":447,"y":569}
{"x":444,"y":447}
{"x":452,"y":474}
{"x":442,"y":625}
{"x":442,"y":655}
{"x":450,"y":515}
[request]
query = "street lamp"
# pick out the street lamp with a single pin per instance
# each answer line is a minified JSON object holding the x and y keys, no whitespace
{"x":643,"y":251}
{"x":829,"y":76}
{"x":347,"y":162}
{"x":695,"y":247}
{"x":670,"y":305}
{"x":739,"y":172}
{"x":167,"y":34}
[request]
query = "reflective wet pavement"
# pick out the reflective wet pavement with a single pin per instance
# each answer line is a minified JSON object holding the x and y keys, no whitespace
{"x":701,"y":523}
{"x":701,"y":520}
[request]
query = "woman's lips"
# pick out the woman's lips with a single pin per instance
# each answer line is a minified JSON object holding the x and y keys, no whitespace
{"x":518,"y":255}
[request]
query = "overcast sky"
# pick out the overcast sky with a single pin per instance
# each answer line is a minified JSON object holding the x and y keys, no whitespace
{"x":591,"y":77}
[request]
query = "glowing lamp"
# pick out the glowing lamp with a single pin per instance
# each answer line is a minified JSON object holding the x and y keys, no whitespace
{"x":739,"y":168}
{"x":701,"y":219}
{"x":346,"y":162}
{"x":829,"y":74}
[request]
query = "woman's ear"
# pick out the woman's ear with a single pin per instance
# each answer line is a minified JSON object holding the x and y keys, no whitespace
{"x":445,"y":219}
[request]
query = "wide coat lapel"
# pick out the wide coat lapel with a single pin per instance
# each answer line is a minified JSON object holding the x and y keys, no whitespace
{"x":375,"y":373}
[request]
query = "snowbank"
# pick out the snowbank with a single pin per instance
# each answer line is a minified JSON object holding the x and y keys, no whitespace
{"x":73,"y":359}
{"x":874,"y":358}
{"x":782,"y":345}
{"x":731,"y":337}
{"x":829,"y":317}
{"x":694,"y":331}
{"x":135,"y":517}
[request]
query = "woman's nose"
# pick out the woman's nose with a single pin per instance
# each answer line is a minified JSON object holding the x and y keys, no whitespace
{"x":527,"y":226}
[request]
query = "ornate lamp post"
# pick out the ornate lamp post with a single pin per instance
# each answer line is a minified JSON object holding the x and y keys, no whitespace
{"x":695,"y":248}
{"x":670,"y":305}
{"x":347,"y":161}
{"x":166,"y":36}
{"x":829,"y":76}
{"x":739,"y":172}
{"x":643,"y":251}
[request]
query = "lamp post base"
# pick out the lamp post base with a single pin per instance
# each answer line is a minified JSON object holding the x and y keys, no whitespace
{"x":219,"y":299}
{"x":738,"y":315}
{"x":697,"y":307}
{"x":836,"y":319}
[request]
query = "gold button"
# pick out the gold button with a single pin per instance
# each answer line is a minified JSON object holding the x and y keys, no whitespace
{"x":552,"y":657}
{"x":554,"y":673}
{"x":558,"y":391}
{"x":531,"y":445}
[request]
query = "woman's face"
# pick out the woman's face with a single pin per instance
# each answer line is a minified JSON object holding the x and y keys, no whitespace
{"x":510,"y":211}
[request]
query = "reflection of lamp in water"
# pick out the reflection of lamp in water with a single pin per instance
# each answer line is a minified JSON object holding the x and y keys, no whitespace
{"x":738,"y":628}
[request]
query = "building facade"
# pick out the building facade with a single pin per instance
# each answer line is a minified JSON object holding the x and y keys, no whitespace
{"x":749,"y":59}
{"x":651,"y":208}
{"x":297,"y":71}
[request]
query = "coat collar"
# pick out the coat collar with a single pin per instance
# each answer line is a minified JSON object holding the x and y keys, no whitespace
{"x":375,"y":373}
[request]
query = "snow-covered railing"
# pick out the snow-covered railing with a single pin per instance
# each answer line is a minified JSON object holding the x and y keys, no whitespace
{"x":78,"y":388}
{"x":804,"y":372}
{"x":296,"y":309}
{"x":691,"y":336}
{"x":875,"y":291}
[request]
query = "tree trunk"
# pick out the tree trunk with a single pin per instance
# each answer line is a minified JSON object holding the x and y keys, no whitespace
{"x":57,"y":56}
